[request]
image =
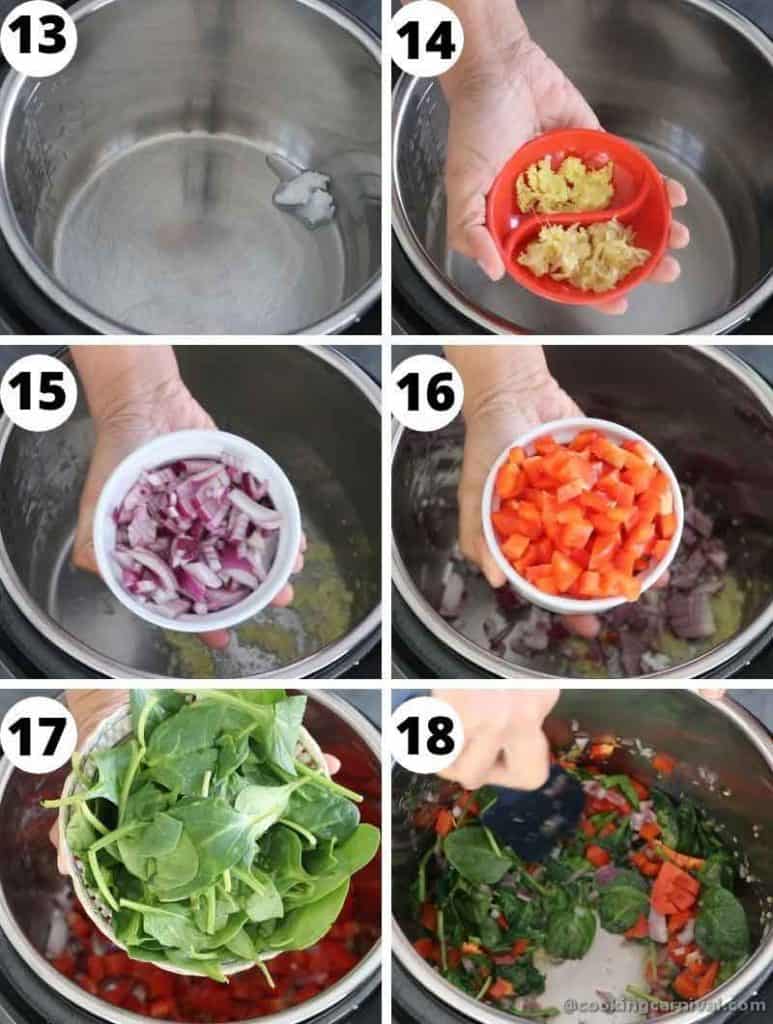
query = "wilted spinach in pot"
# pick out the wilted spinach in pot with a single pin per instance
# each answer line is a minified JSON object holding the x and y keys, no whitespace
{"x":207,"y":838}
{"x":657,"y":872}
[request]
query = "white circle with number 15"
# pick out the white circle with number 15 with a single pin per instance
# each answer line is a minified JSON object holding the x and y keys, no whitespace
{"x":426,"y":393}
{"x":38,"y":735}
{"x":426,"y":735}
{"x":38,"y":393}
{"x":426,"y":38}
{"x":38,"y":38}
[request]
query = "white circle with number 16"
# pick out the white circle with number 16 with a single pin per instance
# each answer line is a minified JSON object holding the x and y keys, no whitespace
{"x":38,"y":38}
{"x":38,"y":393}
{"x":426,"y":393}
{"x":426,"y":735}
{"x":38,"y":735}
{"x":426,"y":38}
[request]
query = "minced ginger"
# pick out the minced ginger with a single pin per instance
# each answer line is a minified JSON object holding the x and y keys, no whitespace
{"x":573,"y":188}
{"x":594,"y":258}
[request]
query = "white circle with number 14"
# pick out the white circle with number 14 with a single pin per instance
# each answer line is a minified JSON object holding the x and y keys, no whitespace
{"x":38,"y":735}
{"x":426,"y":393}
{"x":38,"y":393}
{"x":426,"y":735}
{"x":38,"y":38}
{"x":426,"y":38}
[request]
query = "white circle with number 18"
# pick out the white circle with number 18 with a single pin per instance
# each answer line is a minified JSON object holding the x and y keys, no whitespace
{"x":38,"y":38}
{"x":426,"y":735}
{"x":426,"y":393}
{"x":38,"y":735}
{"x":426,"y":38}
{"x":38,"y":393}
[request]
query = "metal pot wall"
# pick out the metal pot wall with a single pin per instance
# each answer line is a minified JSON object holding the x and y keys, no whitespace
{"x":31,"y":888}
{"x":292,"y":401}
{"x":135,"y":191}
{"x":689,"y":82}
{"x":716,"y":739}
{"x":704,"y":407}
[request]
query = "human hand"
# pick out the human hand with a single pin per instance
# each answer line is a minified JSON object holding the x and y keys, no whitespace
{"x":523,"y":395}
{"x":121,"y":428}
{"x":494,"y":111}
{"x":89,"y":708}
{"x":504,"y":743}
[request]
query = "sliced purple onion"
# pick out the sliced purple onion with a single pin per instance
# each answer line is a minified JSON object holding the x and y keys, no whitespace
{"x":197,"y":535}
{"x":658,"y":928}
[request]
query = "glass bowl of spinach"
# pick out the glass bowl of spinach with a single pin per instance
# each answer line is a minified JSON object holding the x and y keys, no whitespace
{"x":203,"y":832}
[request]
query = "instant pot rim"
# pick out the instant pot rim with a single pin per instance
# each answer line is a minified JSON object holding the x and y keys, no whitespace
{"x":15,"y":238}
{"x":366,"y":971}
{"x":731,"y":991}
{"x":699,"y":666}
{"x":432,"y":277}
{"x":364,"y":633}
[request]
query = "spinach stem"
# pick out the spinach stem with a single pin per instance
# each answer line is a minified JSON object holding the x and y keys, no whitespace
{"x":524,"y":875}
{"x":128,"y":782}
{"x":639,"y":993}
{"x":492,"y":842}
{"x":265,"y":972}
{"x":485,"y":987}
{"x":550,"y":1011}
{"x":227,"y":880}
{"x":145,"y":908}
{"x":423,"y":874}
{"x":442,"y":937}
{"x":206,"y":784}
{"x":142,"y":721}
{"x":211,"y":910}
{"x":116,"y":834}
{"x":248,"y":879}
{"x":308,"y":836}
{"x":99,"y":878}
{"x":327,"y":783}
{"x":92,"y":819}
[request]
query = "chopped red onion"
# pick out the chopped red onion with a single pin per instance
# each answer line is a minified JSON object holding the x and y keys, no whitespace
{"x":687,"y":934}
{"x":198,"y":535}
{"x":658,"y":929}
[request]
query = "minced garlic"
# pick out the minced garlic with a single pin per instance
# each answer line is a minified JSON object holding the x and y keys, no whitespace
{"x":573,"y":188}
{"x":594,"y":258}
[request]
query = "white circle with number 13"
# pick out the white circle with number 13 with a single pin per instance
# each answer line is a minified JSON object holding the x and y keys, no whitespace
{"x":38,"y":38}
{"x":38,"y":735}
{"x":426,"y":393}
{"x":426,"y":38}
{"x":426,"y":735}
{"x":38,"y":393}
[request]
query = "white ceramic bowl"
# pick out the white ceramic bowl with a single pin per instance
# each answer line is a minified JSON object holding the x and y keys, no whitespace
{"x":563,"y":431}
{"x":109,"y":733}
{"x":197,"y":444}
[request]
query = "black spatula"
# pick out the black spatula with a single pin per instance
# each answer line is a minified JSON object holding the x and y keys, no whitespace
{"x":532,"y":821}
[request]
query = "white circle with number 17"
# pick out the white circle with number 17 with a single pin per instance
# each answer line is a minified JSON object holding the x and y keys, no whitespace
{"x":38,"y":393}
{"x":426,"y":735}
{"x":38,"y":38}
{"x":426,"y":38}
{"x":426,"y":393}
{"x":38,"y":735}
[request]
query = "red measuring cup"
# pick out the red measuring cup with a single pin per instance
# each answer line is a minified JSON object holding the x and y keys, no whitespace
{"x":640,"y":201}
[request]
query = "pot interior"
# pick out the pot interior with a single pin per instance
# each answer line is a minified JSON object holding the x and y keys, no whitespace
{"x":263,"y":394}
{"x":140,"y":177}
{"x":684,"y":83}
{"x":38,"y":897}
{"x":720,"y":767}
{"x":717,"y":436}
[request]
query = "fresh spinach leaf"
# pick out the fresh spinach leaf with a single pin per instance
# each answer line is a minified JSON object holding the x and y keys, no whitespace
{"x":470,"y":851}
{"x":305,"y":926}
{"x":325,"y":814}
{"x":150,"y":707}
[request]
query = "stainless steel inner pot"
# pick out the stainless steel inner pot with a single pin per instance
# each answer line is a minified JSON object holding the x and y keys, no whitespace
{"x":290,"y":400}
{"x":687,"y":81}
{"x":32,"y":892}
{"x":135,"y":188}
{"x":707,"y":411}
{"x":716,"y":739}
